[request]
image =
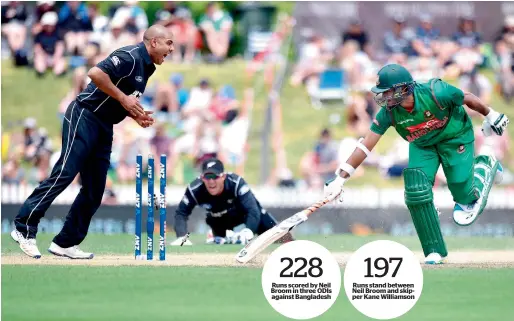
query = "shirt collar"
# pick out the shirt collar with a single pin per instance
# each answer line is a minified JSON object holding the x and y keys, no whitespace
{"x":145,"y":54}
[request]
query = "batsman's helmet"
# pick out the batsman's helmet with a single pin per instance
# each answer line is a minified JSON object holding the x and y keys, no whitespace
{"x":394,"y":84}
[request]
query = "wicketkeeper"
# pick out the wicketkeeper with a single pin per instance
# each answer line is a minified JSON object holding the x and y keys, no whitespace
{"x":431,"y":117}
{"x":229,"y":202}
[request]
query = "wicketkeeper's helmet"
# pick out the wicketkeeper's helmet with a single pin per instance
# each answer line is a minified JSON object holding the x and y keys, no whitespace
{"x":394,"y":84}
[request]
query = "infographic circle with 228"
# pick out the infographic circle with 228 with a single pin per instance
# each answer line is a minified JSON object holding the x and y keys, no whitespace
{"x":301,"y":280}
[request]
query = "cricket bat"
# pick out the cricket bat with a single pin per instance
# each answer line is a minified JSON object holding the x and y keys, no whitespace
{"x":261,"y":242}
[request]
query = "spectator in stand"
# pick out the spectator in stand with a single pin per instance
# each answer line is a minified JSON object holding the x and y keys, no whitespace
{"x":117,"y":37}
{"x":504,"y":48}
{"x":193,"y":114}
{"x":128,"y":142}
{"x":319,"y":165}
{"x":177,"y":82}
{"x":398,"y":42}
{"x":186,"y":36}
{"x":37,"y":150}
{"x":426,"y":43}
{"x":12,"y":172}
{"x":392,"y":164}
{"x":356,"y":32}
{"x":99,"y":23}
{"x":424,"y":68}
{"x":234,"y":133}
{"x":160,"y":143}
{"x":49,"y":47}
{"x":224,"y":102}
{"x":360,"y":112}
{"x":167,"y":13}
{"x":313,"y":60}
{"x":207,"y":140}
{"x":75,"y":25}
{"x":216,"y":25}
{"x":165,"y":100}
{"x":134,"y":17}
{"x":467,"y":36}
{"x":477,"y":84}
{"x":42,"y":8}
{"x":466,"y":48}
{"x":179,"y":21}
{"x":359,"y":69}
{"x":14,"y":29}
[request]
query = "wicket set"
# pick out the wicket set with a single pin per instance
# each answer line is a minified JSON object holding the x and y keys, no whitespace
{"x":152,"y":203}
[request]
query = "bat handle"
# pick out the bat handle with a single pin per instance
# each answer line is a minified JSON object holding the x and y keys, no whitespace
{"x":313,"y":208}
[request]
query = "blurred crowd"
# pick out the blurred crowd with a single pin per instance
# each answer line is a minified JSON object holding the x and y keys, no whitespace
{"x":61,"y":36}
{"x":192,"y":123}
{"x":461,"y":56}
{"x":201,"y":121}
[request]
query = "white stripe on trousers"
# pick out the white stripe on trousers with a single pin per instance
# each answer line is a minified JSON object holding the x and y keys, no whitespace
{"x":66,"y":155}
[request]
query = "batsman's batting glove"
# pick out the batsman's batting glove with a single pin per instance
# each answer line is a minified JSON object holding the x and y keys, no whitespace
{"x":334,"y":188}
{"x":498,"y":122}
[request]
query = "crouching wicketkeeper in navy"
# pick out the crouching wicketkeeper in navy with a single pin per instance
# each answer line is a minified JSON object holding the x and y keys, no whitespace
{"x":113,"y":93}
{"x":229,"y":202}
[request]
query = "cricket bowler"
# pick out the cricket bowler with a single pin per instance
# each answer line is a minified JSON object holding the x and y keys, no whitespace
{"x":113,"y":94}
{"x":431,"y":117}
{"x":228,"y":201}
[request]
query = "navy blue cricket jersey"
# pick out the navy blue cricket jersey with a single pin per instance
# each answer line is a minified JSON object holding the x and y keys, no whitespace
{"x":236,"y":201}
{"x":129,"y":69}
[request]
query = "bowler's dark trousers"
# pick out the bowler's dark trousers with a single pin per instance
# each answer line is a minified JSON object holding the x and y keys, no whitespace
{"x":86,"y":149}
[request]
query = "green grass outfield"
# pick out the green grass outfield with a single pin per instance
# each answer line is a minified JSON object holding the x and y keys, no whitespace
{"x":65,"y":292}
{"x":124,"y":243}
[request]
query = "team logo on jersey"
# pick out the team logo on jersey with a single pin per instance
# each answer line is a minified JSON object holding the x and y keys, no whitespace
{"x":115,"y":60}
{"x":461,"y":149}
{"x":428,"y":115}
{"x":419,"y":130}
{"x":136,"y":93}
{"x":139,"y":78}
{"x":243,"y":190}
{"x":405,"y":121}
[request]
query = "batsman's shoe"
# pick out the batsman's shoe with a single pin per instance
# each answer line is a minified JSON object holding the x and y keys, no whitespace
{"x":28,"y":246}
{"x":71,"y":252}
{"x":434,"y":258}
{"x":465,"y":215}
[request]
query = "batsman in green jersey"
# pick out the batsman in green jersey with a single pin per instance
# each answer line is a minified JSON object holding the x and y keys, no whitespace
{"x":431,"y":117}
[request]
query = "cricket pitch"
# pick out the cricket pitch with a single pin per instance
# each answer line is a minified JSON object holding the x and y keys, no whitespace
{"x":457,"y":259}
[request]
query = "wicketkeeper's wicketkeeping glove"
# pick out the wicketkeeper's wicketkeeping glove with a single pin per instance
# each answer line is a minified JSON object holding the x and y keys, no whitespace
{"x":497,"y":121}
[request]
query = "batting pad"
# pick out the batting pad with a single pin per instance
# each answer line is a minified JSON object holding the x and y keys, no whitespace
{"x":420,"y":202}
{"x":484,"y":173}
